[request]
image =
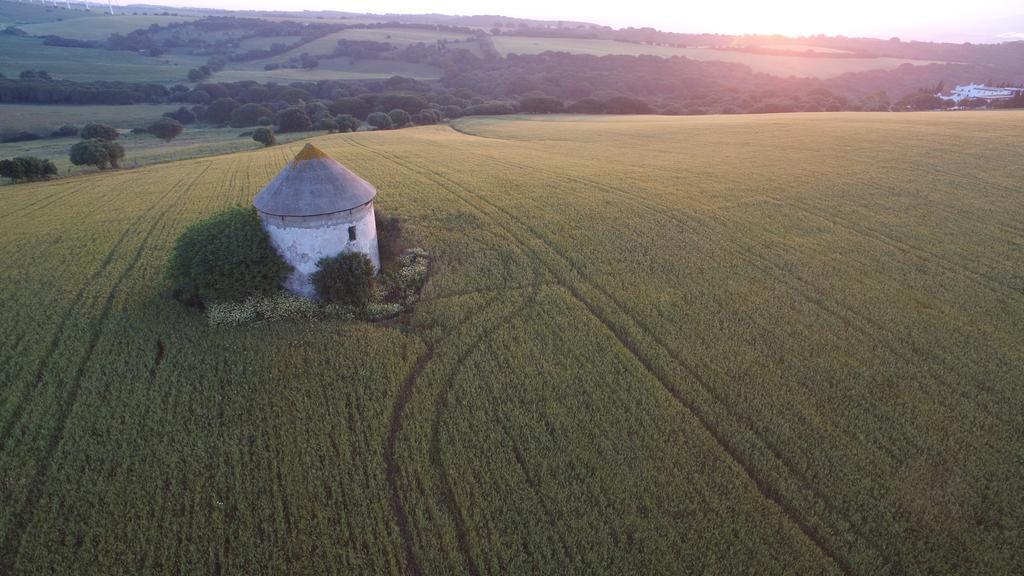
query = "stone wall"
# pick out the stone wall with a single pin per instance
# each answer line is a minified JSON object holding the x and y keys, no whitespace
{"x":304,"y":240}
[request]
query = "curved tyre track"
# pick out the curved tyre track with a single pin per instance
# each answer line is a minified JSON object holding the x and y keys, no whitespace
{"x":764,"y":487}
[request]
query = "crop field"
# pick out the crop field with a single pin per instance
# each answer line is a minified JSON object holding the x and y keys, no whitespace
{"x":145,"y":149}
{"x":329,"y":69}
{"x":84,"y":64}
{"x":98,"y":26}
{"x":772,"y":344}
{"x":397,"y":36}
{"x":766,"y":63}
{"x":45,"y":118}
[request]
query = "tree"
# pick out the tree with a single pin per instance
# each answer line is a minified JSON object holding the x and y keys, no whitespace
{"x":227,"y":257}
{"x":347,"y":279}
{"x":182,"y":114}
{"x":540,"y":105}
{"x":219,"y":111}
{"x":97,"y":152}
{"x":264,"y":136}
{"x":356,"y":107}
{"x":27,"y":168}
{"x":346,"y":123}
{"x":292,"y":119}
{"x":166,"y":129}
{"x":327,"y":123}
{"x":99,"y":131}
{"x":249,"y":115}
{"x":399,"y":117}
{"x":380,"y":121}
{"x":65,"y":131}
{"x":427,"y":116}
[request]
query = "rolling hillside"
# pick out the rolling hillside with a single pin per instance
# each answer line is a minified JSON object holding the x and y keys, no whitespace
{"x":775,"y":65}
{"x":720,"y":344}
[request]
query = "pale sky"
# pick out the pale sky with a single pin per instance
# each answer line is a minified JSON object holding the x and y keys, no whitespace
{"x":950,"y":20}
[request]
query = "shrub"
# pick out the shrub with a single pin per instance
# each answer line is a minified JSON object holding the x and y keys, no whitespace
{"x":65,"y":131}
{"x":166,"y":129}
{"x":99,"y":131}
{"x":356,"y":107}
{"x":292,"y":119}
{"x":540,"y":105}
{"x":452,"y":111}
{"x":23,"y":136}
{"x":27,"y":168}
{"x":380,"y":121}
{"x":427,"y":116}
{"x":281,"y":306}
{"x":346,"y":123}
{"x":389,"y":237}
{"x":399,"y":117}
{"x":97,"y":152}
{"x":490,"y":109}
{"x":412,"y":275}
{"x":327,"y":123}
{"x":249,"y":115}
{"x":347,"y":278}
{"x":219,"y":111}
{"x":228,"y":257}
{"x":182,"y":114}
{"x":264,"y":136}
{"x":586,"y":106}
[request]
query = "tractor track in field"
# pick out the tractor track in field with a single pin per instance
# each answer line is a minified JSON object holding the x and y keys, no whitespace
{"x":35,"y":205}
{"x":449,"y":500}
{"x":391,"y":467}
{"x":741,"y":419}
{"x":864,"y":325}
{"x":441,"y":406}
{"x":62,"y":325}
{"x":391,"y":472}
{"x":763,"y":487}
{"x":20,"y":523}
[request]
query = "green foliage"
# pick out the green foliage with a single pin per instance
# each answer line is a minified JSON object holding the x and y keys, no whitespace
{"x":93,"y":131}
{"x":346,"y":123}
{"x":228,"y":257}
{"x":102,"y":154}
{"x":220,"y":110}
{"x":327,"y":123}
{"x":380,"y":121}
{"x":264,"y":136}
{"x":399,"y":118}
{"x":277,"y":307}
{"x":249,"y":115}
{"x":27,"y":168}
{"x":356,"y":107}
{"x":348,"y":279}
{"x":292,"y":119}
{"x":166,"y":129}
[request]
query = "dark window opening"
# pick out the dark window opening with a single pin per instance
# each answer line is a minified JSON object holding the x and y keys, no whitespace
{"x":351,"y":233}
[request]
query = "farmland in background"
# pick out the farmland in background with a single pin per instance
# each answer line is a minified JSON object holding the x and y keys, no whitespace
{"x":736,"y":344}
{"x":82,"y":25}
{"x":19,"y":53}
{"x":769,"y":64}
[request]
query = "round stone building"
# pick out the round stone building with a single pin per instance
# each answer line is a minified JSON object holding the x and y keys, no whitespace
{"x":316,"y":208}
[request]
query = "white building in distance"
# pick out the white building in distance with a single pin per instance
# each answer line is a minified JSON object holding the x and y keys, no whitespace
{"x":316,"y":208}
{"x":981,"y":92}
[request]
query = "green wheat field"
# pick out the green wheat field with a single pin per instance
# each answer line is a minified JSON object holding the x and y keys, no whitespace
{"x":777,"y":344}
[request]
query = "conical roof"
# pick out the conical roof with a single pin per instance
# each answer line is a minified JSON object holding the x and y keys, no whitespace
{"x":313,"y":184}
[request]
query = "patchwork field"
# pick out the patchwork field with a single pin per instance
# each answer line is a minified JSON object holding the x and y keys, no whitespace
{"x":765,"y":344}
{"x":85,"y":64}
{"x":768,"y":64}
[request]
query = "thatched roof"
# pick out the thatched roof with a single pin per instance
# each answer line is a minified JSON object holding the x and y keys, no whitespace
{"x":313,"y":184}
